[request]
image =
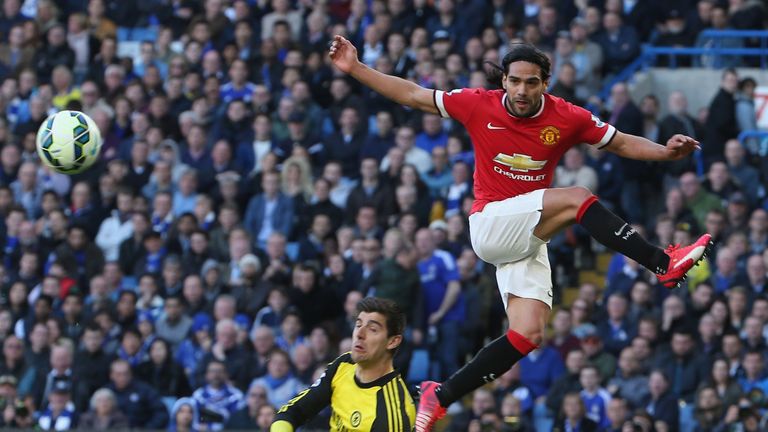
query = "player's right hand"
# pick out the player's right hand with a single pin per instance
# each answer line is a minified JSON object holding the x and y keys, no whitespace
{"x":343,"y":54}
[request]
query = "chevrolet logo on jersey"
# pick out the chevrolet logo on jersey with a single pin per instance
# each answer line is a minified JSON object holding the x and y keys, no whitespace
{"x":519,"y":162}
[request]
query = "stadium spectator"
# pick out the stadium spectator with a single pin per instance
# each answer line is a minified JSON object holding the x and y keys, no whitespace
{"x":90,"y":366}
{"x":721,"y":122}
{"x":140,"y":402}
{"x":568,"y":382}
{"x":59,"y":413}
{"x":185,"y":415}
{"x":574,"y":415}
{"x":217,"y":400}
{"x":161,"y":372}
{"x":661,"y":404}
{"x":482,"y":402}
{"x":103,"y":414}
{"x":247,"y":417}
{"x":269,"y":212}
{"x":619,"y":42}
{"x":279,"y":382}
{"x":226,"y":350}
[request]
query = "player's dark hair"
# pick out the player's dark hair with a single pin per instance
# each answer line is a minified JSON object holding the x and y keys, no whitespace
{"x":519,"y":52}
{"x":391,"y":311}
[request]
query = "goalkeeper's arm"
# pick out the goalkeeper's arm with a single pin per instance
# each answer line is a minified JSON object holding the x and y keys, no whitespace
{"x":307,"y":403}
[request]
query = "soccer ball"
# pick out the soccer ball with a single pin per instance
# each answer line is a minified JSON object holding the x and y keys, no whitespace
{"x":68,"y":142}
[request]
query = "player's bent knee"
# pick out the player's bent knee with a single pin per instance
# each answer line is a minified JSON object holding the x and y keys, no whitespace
{"x":533,"y":334}
{"x":579,"y":195}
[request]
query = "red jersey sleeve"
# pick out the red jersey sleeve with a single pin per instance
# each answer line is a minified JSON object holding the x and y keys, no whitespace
{"x":592,"y":130}
{"x":458,"y":104}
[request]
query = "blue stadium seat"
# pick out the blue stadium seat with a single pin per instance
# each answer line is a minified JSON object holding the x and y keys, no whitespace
{"x":419,"y":368}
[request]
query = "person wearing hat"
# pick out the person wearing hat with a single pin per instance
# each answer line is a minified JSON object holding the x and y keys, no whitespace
{"x":442,"y":43}
{"x":212,"y":275}
{"x":251,"y":293}
{"x":190,"y":351}
{"x":675,"y":33}
{"x":592,"y":346}
{"x":15,"y":412}
{"x":60,"y":415}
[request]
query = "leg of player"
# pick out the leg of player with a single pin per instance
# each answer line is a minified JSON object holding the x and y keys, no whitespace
{"x":527,"y":321}
{"x":564,"y":206}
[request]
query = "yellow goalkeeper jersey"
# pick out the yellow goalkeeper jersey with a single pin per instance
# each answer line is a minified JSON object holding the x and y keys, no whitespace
{"x":382,"y":405}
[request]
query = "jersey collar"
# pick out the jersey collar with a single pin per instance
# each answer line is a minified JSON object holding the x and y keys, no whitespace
{"x":538,"y":113}
{"x":377,"y":382}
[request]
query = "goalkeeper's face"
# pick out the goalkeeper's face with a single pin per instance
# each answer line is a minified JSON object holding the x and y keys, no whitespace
{"x":370,"y":341}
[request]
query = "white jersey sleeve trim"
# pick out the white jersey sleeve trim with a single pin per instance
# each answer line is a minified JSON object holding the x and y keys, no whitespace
{"x":610,"y":132}
{"x":440,"y":104}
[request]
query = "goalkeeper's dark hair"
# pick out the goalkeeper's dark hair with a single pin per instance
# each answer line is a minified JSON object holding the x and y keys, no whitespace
{"x":519,"y":52}
{"x":391,"y":311}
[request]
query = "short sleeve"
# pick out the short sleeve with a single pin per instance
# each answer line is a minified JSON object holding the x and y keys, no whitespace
{"x":593,"y":131}
{"x":457,"y":104}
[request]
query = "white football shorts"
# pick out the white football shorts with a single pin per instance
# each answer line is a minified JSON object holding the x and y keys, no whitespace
{"x":502,"y":235}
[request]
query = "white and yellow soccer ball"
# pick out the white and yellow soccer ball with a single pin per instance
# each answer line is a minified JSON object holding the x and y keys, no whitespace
{"x":68,"y":142}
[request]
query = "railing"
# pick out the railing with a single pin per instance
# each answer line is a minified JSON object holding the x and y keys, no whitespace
{"x":716,"y":50}
{"x":756,"y":141}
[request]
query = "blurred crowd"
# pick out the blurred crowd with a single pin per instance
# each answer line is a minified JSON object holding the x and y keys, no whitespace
{"x":248,"y":196}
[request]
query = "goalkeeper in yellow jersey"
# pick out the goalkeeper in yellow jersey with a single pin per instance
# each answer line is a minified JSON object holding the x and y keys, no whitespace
{"x":362,"y":387}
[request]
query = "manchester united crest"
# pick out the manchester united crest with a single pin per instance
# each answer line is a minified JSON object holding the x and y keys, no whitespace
{"x":549,"y":136}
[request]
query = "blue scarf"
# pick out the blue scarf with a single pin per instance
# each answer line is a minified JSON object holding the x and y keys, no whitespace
{"x":155,"y":261}
{"x":274,"y":383}
{"x":11,"y":244}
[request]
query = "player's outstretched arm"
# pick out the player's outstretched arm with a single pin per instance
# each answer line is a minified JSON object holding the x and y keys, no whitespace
{"x":307,"y":403}
{"x":344,"y":56}
{"x":635,"y":147}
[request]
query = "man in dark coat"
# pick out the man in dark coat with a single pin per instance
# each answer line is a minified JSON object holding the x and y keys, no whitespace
{"x":721,"y":122}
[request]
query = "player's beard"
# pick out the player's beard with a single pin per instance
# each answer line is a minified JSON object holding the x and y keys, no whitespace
{"x":533,"y":106}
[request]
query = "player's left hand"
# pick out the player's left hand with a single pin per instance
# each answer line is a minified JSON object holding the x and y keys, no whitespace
{"x":680,"y":146}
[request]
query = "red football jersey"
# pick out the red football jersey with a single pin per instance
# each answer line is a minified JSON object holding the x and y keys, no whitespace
{"x":514,"y":155}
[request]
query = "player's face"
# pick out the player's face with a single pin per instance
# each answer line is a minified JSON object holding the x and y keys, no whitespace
{"x":524,"y":88}
{"x":369,"y":338}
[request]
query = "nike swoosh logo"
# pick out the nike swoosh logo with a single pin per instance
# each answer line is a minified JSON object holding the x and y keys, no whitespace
{"x":492,"y":127}
{"x":621,"y":230}
{"x":694,"y":255}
